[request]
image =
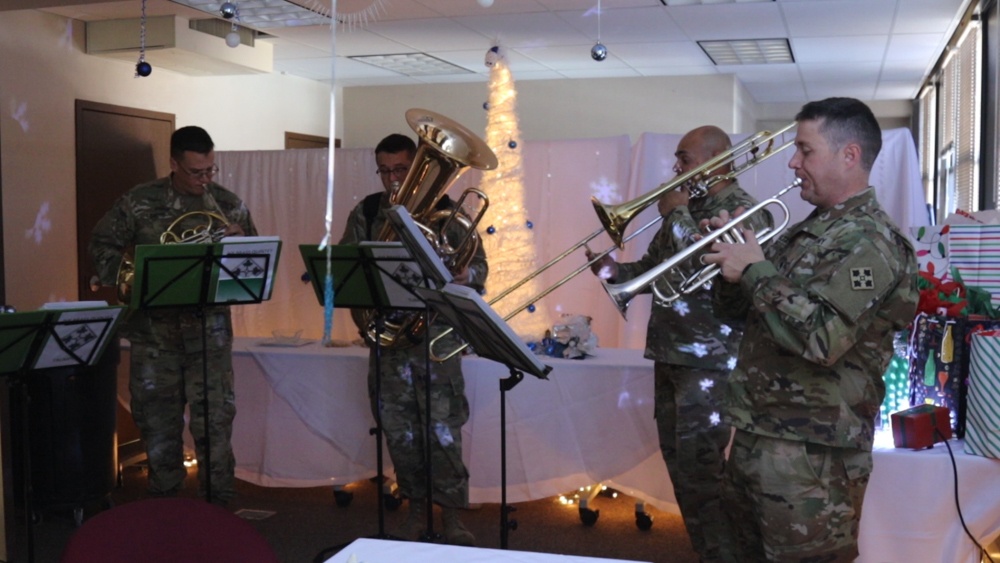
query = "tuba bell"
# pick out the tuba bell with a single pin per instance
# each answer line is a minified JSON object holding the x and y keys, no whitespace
{"x":444,"y":151}
{"x":211,"y":228}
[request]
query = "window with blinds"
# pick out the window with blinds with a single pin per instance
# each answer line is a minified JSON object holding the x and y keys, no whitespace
{"x":957,"y":126}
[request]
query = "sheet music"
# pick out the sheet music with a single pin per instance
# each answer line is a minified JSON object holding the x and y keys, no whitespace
{"x":491,"y":337}
{"x":419,"y":246}
{"x":399,"y":273}
{"x":251,"y":270}
{"x":80,"y":335}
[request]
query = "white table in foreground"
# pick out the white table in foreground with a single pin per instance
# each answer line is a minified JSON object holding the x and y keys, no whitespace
{"x":385,"y":551}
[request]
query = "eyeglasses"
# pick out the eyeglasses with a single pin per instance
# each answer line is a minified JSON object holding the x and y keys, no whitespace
{"x":397,"y":171}
{"x":204,"y":172}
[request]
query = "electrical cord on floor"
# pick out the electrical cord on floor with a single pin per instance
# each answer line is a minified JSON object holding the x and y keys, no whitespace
{"x":958,"y":506}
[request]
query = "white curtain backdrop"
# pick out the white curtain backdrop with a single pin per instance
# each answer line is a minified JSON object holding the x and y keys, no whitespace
{"x":286,"y":194}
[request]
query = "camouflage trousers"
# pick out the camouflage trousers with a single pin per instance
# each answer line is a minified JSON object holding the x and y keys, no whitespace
{"x":795,"y":501}
{"x":162,"y":381}
{"x":693,"y":440}
{"x":403,"y":408}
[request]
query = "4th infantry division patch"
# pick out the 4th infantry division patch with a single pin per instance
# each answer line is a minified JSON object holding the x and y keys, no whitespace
{"x":862,"y":279}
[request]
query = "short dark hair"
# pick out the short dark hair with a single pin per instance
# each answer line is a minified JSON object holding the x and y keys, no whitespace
{"x":396,"y":143}
{"x":846,"y":120}
{"x":190,"y":138}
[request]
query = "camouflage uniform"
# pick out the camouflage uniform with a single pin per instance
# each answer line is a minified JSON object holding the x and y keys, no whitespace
{"x":693,"y":353}
{"x":403,"y":376}
{"x":166,"y":357}
{"x":823,"y":309}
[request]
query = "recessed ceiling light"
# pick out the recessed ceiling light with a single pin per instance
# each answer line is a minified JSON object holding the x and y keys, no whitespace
{"x":262,"y":14}
{"x":748,"y":51}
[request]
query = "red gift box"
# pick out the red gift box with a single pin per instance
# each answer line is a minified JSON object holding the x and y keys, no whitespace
{"x":920,"y":427}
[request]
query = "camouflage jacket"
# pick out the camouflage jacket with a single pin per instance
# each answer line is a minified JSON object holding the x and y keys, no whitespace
{"x":686,"y":332}
{"x":823,"y":310}
{"x":358,"y":230}
{"x":140,"y":216}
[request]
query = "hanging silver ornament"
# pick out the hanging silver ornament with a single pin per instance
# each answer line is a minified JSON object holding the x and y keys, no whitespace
{"x":228,"y":10}
{"x":598,"y":52}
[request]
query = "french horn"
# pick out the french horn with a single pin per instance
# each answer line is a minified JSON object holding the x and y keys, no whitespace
{"x":210,"y":228}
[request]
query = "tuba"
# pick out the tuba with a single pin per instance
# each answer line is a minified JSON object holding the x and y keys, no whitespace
{"x":211,"y":228}
{"x":444,"y":150}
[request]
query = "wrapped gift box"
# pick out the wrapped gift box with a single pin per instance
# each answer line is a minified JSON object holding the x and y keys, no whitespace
{"x":920,"y":427}
{"x":938,"y":355}
{"x":983,"y":425}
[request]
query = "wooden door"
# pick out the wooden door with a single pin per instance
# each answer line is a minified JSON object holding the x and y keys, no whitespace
{"x":116,"y":149}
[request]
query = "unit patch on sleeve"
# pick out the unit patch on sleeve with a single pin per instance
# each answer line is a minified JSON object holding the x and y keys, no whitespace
{"x":862,"y":279}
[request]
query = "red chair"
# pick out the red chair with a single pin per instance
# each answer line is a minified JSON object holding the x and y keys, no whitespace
{"x":167,"y":530}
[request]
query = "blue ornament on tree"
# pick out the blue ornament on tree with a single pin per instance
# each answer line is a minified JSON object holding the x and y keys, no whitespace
{"x":530,"y":225}
{"x":491,"y":229}
{"x":512,"y":144}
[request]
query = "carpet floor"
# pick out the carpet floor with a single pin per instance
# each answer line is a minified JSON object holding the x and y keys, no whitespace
{"x":304,"y":525}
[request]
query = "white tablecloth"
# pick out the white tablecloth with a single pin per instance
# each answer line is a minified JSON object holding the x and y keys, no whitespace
{"x":303,"y":420}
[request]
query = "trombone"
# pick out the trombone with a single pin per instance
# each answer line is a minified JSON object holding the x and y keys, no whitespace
{"x":623,"y":293}
{"x":755,"y":149}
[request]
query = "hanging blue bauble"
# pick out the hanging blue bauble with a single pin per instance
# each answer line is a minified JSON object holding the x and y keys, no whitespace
{"x":142,"y":68}
{"x":531,"y":308}
{"x":491,"y":229}
{"x":598,"y":52}
{"x":486,"y":106}
{"x":512,"y":144}
{"x":530,"y":225}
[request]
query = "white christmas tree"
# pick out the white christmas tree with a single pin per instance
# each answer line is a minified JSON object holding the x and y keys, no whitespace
{"x":508,"y":237}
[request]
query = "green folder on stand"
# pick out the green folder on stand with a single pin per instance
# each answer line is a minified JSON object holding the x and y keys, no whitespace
{"x":235,"y":270}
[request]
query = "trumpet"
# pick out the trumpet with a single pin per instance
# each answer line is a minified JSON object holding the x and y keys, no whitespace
{"x":623,"y":293}
{"x":741,"y":157}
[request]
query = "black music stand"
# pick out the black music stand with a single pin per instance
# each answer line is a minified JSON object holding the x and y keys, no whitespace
{"x":235,"y":271}
{"x":491,"y":338}
{"x":372,"y":275}
{"x":60,"y":337}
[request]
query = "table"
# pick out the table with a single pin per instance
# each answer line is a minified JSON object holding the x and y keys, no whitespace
{"x":909,"y":512}
{"x":303,"y":420}
{"x":384,"y":551}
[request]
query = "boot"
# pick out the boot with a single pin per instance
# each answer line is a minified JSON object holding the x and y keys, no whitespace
{"x":412,"y":527}
{"x":454,"y":531}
